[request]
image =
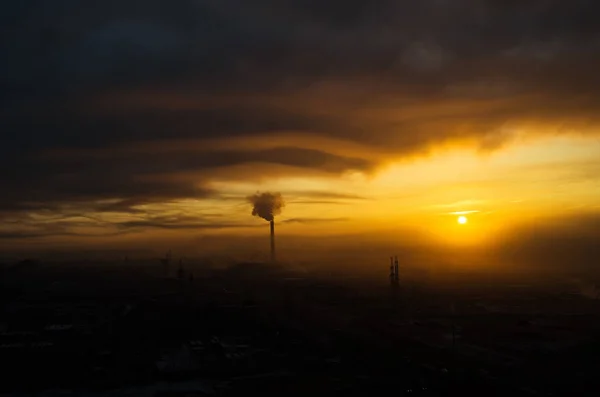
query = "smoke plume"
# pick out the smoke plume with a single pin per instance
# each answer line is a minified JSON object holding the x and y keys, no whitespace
{"x":266,"y":205}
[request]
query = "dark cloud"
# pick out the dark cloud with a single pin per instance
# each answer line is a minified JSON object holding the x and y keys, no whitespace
{"x":357,"y":83}
{"x":313,"y":220}
{"x":323,"y":197}
{"x":74,"y":220}
{"x":176,"y":223}
{"x":329,"y":195}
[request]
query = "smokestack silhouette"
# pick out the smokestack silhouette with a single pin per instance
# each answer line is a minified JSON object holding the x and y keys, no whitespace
{"x":267,"y":205}
{"x":272,"y":241}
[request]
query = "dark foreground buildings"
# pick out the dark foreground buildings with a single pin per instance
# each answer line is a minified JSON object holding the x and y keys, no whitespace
{"x":255,"y":328}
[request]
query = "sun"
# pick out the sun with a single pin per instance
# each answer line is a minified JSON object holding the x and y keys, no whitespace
{"x":462,"y":220}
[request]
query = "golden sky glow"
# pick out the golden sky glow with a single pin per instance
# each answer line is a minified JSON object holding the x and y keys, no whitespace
{"x":537,"y":178}
{"x":541,"y":177}
{"x":384,"y":119}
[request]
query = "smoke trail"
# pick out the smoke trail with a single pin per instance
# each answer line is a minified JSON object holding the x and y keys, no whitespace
{"x":266,"y":205}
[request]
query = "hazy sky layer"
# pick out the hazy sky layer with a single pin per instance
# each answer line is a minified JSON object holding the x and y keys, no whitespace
{"x":152,"y":120}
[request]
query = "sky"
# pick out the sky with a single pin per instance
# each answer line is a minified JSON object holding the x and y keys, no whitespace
{"x":144,"y":123}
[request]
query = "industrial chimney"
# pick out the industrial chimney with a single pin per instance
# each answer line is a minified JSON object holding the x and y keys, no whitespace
{"x":266,"y":206}
{"x":272,"y":240}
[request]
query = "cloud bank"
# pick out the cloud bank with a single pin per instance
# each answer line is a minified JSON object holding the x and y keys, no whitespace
{"x":118,"y":104}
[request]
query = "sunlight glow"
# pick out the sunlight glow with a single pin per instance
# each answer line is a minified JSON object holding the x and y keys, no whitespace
{"x":462,"y":220}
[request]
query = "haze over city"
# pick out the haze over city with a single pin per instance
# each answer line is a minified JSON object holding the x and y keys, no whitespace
{"x":300,"y":197}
